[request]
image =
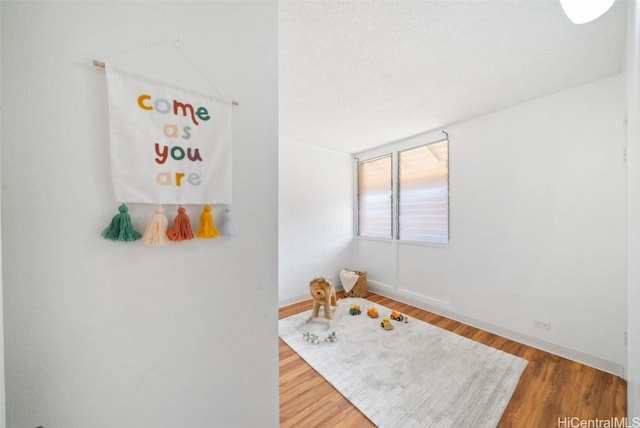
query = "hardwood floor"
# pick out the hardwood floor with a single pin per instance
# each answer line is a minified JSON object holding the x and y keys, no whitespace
{"x":550,"y":389}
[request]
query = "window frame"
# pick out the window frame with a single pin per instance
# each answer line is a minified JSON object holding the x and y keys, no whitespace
{"x":391,"y":197}
{"x":394,"y":150}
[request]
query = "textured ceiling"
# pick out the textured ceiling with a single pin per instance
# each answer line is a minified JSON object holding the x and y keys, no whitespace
{"x":359,"y":74}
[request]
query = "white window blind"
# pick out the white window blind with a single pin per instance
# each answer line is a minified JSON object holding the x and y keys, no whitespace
{"x":423,"y":193}
{"x":375,"y":198}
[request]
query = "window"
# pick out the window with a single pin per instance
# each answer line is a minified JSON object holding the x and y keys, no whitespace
{"x":423,"y":193}
{"x":375,"y":198}
{"x":420,"y":196}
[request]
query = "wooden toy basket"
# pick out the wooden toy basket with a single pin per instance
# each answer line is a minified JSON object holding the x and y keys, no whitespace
{"x":360,"y":288}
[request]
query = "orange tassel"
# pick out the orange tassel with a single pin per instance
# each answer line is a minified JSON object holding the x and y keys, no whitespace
{"x":156,"y":231}
{"x":181,"y":229}
{"x":207,"y":226}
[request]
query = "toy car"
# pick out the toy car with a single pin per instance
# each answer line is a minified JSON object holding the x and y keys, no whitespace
{"x":386,"y":324}
{"x":372,"y":312}
{"x":355,"y":310}
{"x":395,"y":315}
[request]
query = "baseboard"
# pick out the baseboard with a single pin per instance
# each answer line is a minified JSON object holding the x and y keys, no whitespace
{"x":292,"y":300}
{"x":405,"y":295}
{"x":444,"y":309}
{"x":296,"y":299}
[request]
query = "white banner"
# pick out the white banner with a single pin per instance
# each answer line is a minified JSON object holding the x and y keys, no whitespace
{"x":168,"y":145}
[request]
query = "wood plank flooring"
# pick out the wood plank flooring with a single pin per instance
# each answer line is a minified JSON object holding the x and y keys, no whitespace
{"x":550,"y":389}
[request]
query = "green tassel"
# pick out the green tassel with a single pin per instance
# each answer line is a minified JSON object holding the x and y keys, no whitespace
{"x":120,"y":228}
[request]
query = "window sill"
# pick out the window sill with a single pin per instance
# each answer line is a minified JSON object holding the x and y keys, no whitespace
{"x":401,"y":242}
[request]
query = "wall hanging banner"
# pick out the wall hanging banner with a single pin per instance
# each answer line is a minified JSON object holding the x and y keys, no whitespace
{"x":168,"y":145}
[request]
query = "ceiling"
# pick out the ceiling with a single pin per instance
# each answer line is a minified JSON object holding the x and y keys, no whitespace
{"x":359,"y":74}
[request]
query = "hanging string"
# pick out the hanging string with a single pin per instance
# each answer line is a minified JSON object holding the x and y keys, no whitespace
{"x":149,"y":46}
{"x":175,"y":44}
{"x":137,"y":49}
{"x":199,"y":70}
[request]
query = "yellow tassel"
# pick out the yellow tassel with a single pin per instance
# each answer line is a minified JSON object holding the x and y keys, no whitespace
{"x":207,"y":226}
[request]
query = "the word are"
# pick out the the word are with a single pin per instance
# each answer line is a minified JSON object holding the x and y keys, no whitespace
{"x":167,"y":178}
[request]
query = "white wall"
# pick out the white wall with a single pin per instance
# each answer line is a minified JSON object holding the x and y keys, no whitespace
{"x":315,"y":217}
{"x":537,"y":227}
{"x":103,"y":334}
{"x":2,"y":390}
{"x":633,"y":219}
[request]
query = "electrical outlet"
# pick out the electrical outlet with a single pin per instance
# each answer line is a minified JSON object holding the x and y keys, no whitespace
{"x":542,"y":325}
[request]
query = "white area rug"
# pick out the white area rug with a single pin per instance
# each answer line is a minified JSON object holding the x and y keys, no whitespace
{"x":416,"y":375}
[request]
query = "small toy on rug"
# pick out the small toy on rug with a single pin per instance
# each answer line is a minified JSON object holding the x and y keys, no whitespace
{"x":386,"y":324}
{"x":315,"y":339}
{"x":397,"y":316}
{"x":324,"y":294}
{"x":372,"y":312}
{"x":355,"y":310}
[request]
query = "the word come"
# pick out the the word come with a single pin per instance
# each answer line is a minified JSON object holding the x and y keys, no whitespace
{"x":164,"y":106}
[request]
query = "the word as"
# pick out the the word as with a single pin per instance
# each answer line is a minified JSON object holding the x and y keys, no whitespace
{"x":171,"y":130}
